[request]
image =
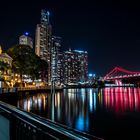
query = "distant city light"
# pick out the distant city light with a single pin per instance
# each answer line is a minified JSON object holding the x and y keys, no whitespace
{"x":48,"y":13}
{"x":79,"y":51}
{"x":26,"y":33}
{"x":90,"y":75}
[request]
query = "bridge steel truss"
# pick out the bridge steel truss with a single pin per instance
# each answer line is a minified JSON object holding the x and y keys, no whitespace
{"x":120,"y":73}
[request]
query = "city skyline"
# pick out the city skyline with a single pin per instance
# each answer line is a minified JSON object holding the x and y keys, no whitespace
{"x":108,"y":31}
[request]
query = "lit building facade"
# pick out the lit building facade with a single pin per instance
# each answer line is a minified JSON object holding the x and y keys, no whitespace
{"x":43,"y":40}
{"x":26,"y":40}
{"x":69,"y":67}
{"x":82,"y":65}
{"x":75,"y":66}
{"x":56,"y":60}
{"x":5,"y":74}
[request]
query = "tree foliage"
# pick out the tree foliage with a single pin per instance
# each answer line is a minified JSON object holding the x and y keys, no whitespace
{"x":26,"y":62}
{"x":3,"y":66}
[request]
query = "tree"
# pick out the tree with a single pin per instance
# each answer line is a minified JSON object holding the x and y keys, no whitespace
{"x":3,"y":66}
{"x":26,"y":62}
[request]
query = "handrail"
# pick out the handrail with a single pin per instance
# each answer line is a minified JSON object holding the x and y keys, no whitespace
{"x":31,"y":126}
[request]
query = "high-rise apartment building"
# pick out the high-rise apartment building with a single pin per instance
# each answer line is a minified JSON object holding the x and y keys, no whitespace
{"x":69,"y":67}
{"x":56,"y":60}
{"x":26,"y":40}
{"x":75,"y":66}
{"x":43,"y":40}
{"x":82,"y":68}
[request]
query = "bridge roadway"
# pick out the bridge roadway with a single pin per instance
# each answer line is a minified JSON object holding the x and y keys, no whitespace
{"x":17,"y":124}
{"x":122,"y":77}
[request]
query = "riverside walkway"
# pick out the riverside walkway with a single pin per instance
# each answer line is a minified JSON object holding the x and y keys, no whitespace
{"x":18,"y":89}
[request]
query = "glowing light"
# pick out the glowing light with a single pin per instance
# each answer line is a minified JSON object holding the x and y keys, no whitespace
{"x":122,"y":99}
{"x":48,"y":13}
{"x":80,"y":51}
{"x":82,"y":123}
{"x":26,"y":33}
{"x":94,"y":96}
{"x":90,"y":74}
{"x":90,"y":100}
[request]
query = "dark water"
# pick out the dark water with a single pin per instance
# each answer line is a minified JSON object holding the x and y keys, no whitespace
{"x":110,"y":113}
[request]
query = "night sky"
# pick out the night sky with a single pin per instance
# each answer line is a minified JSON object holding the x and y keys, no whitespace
{"x":108,"y":30}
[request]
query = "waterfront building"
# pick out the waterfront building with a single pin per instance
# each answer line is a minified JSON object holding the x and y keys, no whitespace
{"x":56,"y":60}
{"x":69,"y":67}
{"x":75,"y":66}
{"x":82,"y":65}
{"x":43,"y":40}
{"x":26,"y":40}
{"x":5,"y":68}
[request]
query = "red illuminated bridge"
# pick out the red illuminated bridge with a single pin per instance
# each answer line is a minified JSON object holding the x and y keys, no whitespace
{"x":118,"y":74}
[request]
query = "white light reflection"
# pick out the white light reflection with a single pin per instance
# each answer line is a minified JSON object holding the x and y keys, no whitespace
{"x":94,"y":101}
{"x":90,"y":100}
{"x":83,"y":94}
{"x":28,"y":105}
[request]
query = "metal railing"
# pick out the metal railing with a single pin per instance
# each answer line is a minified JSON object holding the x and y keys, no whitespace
{"x":27,"y":126}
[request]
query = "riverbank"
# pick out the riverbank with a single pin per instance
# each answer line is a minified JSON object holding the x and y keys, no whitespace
{"x":16,"y":90}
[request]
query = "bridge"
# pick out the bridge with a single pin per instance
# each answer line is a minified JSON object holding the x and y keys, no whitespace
{"x":119,"y":74}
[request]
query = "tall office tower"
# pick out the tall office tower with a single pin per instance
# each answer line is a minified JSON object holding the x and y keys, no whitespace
{"x":43,"y":40}
{"x":69,"y":67}
{"x":56,"y":60}
{"x":75,"y":66}
{"x":82,"y":68}
{"x":26,"y":40}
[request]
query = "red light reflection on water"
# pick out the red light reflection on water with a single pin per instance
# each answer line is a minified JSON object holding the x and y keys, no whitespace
{"x":122,"y":99}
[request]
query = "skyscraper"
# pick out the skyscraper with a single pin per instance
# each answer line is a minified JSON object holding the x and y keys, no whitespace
{"x":56,"y":60}
{"x":26,"y":40}
{"x":69,"y":67}
{"x":82,"y":65}
{"x":43,"y":40}
{"x":75,"y":66}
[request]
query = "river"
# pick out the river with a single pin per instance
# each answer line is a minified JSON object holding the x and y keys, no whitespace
{"x":109,"y":113}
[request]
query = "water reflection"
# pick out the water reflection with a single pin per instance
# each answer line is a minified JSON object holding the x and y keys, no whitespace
{"x":77,"y":102}
{"x":76,"y":107}
{"x":120,"y":99}
{"x":33,"y":103}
